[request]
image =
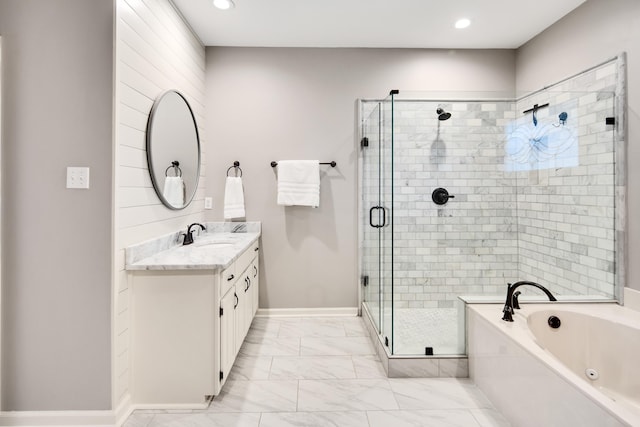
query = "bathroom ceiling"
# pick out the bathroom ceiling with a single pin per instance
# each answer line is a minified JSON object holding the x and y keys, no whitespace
{"x":504,"y":24}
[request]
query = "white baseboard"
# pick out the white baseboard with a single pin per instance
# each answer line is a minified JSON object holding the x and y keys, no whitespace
{"x":169,"y":406}
{"x":124,"y":410}
{"x":311,"y":312}
{"x":58,"y":418}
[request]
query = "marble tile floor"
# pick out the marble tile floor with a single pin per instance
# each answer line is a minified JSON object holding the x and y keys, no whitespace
{"x":322,"y":371}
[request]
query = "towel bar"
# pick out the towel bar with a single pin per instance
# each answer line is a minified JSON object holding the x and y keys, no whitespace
{"x":332,"y":163}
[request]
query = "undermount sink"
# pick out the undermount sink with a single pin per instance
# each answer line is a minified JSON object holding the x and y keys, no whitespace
{"x":215,"y":241}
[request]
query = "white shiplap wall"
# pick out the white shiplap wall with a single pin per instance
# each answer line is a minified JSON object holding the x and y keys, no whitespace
{"x":155,"y":51}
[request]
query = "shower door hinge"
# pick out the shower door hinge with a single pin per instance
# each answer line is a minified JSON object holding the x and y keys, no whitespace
{"x":221,"y":311}
{"x":610,"y":120}
{"x":364,"y":142}
{"x":221,"y":375}
{"x":428,"y":351}
{"x":365,"y":280}
{"x":386,"y":341}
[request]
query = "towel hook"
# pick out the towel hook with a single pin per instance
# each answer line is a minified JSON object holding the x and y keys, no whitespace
{"x":176,"y":169}
{"x":236,"y":166}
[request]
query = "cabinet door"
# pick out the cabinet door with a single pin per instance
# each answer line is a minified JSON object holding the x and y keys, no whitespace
{"x":228,"y":349}
{"x":239,"y":312}
{"x":247,"y":309}
{"x":254,"y":271}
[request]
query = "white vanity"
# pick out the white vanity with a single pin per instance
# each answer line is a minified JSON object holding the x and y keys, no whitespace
{"x":191,"y":309}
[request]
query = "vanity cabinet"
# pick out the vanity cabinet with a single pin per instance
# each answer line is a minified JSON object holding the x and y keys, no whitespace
{"x":187,"y":327}
{"x":238,"y":307}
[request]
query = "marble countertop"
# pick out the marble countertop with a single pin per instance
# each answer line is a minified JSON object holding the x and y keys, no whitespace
{"x":216,"y":249}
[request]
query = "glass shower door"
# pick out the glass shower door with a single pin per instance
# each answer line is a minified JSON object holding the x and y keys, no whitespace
{"x":385,"y":219}
{"x":376,"y":217}
{"x":370,"y":200}
{"x":452,"y":219}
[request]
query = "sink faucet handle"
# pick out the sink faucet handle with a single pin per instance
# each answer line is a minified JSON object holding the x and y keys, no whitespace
{"x":188,"y":238}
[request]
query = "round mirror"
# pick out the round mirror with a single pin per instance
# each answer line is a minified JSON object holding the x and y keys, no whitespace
{"x":173,"y":150}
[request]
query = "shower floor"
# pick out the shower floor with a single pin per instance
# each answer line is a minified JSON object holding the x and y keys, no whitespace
{"x":417,"y":328}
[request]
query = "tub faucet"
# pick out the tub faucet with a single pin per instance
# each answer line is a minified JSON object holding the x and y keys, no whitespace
{"x":188,"y":237}
{"x":511,"y":299}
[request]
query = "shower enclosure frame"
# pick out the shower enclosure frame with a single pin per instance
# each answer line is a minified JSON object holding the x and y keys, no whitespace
{"x":619,"y":185}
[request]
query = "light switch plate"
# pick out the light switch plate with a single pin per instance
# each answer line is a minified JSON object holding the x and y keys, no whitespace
{"x":77,"y":177}
{"x":208,"y":202}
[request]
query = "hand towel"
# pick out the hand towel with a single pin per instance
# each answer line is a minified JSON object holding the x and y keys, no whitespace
{"x":299,"y":183}
{"x":233,"y":198}
{"x":174,"y":191}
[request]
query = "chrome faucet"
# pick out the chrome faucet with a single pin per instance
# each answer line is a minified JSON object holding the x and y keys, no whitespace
{"x":188,"y":237}
{"x":512,"y":298}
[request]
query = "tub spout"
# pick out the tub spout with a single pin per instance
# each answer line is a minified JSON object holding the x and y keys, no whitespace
{"x":512,"y":300}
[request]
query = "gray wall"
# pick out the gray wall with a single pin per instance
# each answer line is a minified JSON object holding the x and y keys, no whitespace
{"x":57,"y":111}
{"x":593,"y":33}
{"x":267,"y":104}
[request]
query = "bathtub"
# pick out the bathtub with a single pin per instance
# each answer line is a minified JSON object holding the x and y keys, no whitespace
{"x":582,"y":373}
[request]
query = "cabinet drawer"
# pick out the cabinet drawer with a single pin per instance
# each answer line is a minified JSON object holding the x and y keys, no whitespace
{"x":228,"y":278}
{"x":247,"y":256}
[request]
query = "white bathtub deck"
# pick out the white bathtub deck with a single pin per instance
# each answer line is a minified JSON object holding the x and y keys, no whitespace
{"x":510,"y":366}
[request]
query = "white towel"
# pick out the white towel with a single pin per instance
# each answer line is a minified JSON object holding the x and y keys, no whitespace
{"x":233,"y":198}
{"x":174,"y":191}
{"x":299,"y":183}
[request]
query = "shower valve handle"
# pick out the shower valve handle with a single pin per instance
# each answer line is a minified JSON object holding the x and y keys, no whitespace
{"x":440,"y":196}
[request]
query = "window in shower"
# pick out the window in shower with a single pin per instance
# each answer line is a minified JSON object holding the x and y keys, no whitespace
{"x":545,"y":138}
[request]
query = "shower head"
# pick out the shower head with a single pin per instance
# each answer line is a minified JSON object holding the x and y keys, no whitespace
{"x":443,"y":115}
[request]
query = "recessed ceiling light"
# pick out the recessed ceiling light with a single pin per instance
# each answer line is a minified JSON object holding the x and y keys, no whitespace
{"x":462,"y":23}
{"x":223,"y":4}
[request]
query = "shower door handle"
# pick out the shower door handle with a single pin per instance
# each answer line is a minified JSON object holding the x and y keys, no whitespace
{"x":384,"y":217}
{"x":371,"y":217}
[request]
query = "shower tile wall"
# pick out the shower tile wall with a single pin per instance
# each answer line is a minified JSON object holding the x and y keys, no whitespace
{"x":566,"y":215}
{"x":469,"y":245}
